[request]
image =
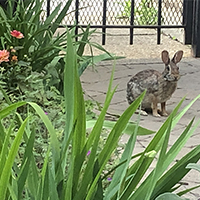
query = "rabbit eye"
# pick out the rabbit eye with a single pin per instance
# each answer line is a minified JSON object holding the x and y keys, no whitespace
{"x":168,"y":68}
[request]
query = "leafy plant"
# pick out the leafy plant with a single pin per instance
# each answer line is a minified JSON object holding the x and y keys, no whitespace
{"x":13,"y":72}
{"x":144,"y":14}
{"x":56,"y":67}
{"x":40,"y":48}
{"x":38,"y":43}
{"x":73,"y":167}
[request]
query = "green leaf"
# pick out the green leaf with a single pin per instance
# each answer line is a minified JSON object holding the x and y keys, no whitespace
{"x":8,"y":110}
{"x":154,"y":145}
{"x":128,"y":130}
{"x":25,"y":164}
{"x":53,"y":137}
{"x":193,"y":166}
{"x":120,"y":176}
{"x":52,"y":15}
{"x":76,"y":117}
{"x":169,"y":196}
{"x":176,"y":173}
{"x":5,"y":175}
{"x":188,"y":190}
{"x":83,"y":41}
{"x":5,"y":149}
{"x":92,"y":143}
{"x":61,"y":16}
{"x":113,"y":138}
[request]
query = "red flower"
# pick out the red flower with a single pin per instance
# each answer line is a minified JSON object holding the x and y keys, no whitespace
{"x":4,"y":55}
{"x":17,"y":34}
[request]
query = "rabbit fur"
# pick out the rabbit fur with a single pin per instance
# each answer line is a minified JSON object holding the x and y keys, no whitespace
{"x":159,"y":86}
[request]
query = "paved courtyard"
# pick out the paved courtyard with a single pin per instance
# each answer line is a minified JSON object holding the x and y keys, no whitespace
{"x":95,"y":84}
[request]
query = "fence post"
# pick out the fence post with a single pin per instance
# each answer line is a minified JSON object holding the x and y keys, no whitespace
{"x":48,"y":7}
{"x":104,"y":22}
{"x":188,"y":15}
{"x":132,"y":21}
{"x":76,"y":18}
{"x":196,"y":30}
{"x":159,"y":20}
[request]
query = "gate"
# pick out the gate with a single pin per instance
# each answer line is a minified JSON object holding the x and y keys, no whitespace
{"x":131,"y":14}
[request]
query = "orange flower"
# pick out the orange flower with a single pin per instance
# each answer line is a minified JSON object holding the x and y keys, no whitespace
{"x":4,"y":55}
{"x":17,"y":34}
{"x":14,"y":59}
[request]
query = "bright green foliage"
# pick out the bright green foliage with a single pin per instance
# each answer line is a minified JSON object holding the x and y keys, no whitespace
{"x":73,"y":167}
{"x":144,"y":14}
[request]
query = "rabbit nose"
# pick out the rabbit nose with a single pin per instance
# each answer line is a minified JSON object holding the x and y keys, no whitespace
{"x":176,"y":78}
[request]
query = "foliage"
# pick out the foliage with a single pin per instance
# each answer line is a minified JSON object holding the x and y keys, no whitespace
{"x":13,"y":72}
{"x":40,"y":48}
{"x":194,"y":166}
{"x":38,"y":43}
{"x":169,"y":196}
{"x":144,"y":14}
{"x":73,"y":166}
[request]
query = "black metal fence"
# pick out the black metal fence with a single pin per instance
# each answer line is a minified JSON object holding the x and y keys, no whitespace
{"x":130,"y":14}
{"x":156,"y":14}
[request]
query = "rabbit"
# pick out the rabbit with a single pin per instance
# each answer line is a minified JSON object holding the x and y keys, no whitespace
{"x":159,"y":86}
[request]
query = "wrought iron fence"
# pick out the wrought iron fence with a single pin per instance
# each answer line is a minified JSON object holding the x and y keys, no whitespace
{"x":123,"y":14}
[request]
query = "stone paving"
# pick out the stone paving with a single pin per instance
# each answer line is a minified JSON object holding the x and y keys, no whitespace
{"x":95,"y":84}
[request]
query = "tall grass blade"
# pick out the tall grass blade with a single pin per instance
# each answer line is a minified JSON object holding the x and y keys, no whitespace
{"x":119,"y":178}
{"x":131,"y":126}
{"x":5,"y":176}
{"x":159,"y":166}
{"x":113,"y":138}
{"x":92,"y":143}
{"x":138,"y":168}
{"x":76,"y":119}
{"x":5,"y":145}
{"x":53,"y":137}
{"x":60,"y":17}
{"x":9,"y":109}
{"x":25,"y":164}
{"x":176,"y":173}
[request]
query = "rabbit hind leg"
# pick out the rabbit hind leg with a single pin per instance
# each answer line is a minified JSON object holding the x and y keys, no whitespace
{"x":155,"y":109}
{"x":163,"y":109}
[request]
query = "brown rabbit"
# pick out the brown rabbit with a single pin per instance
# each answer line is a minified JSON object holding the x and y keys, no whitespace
{"x":159,"y":86}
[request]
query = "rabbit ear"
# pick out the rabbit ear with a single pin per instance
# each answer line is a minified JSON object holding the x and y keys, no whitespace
{"x":165,"y":57}
{"x":177,"y":56}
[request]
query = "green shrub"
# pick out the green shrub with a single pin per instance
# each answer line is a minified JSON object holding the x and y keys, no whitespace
{"x":38,"y":44}
{"x":144,"y":14}
{"x":40,"y":48}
